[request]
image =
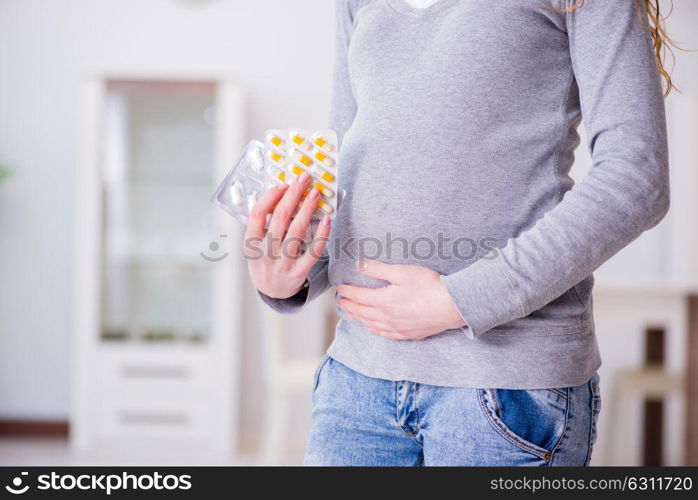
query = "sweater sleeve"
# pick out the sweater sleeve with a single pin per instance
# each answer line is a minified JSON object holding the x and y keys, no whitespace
{"x":342,"y":113}
{"x":625,"y":193}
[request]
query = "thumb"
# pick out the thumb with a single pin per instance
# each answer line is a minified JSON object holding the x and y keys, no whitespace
{"x":393,"y":273}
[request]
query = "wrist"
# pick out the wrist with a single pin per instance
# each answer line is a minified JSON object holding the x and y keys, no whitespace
{"x":285,"y":294}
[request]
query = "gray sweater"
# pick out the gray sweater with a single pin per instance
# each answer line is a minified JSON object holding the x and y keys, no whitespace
{"x":458,"y":128}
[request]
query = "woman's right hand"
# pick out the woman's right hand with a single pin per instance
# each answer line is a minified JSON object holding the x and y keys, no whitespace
{"x":275,"y":258}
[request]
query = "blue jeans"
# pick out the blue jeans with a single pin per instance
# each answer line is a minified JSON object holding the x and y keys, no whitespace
{"x":364,"y":421}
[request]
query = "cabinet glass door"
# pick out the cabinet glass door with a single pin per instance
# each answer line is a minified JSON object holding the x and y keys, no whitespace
{"x":157,"y":177}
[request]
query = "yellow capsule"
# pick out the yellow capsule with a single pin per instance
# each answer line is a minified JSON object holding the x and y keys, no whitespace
{"x":327,"y":192}
{"x":305,"y":160}
{"x":324,"y":174}
{"x":325,"y":207}
{"x":324,"y":159}
{"x":276,"y":141}
{"x":276,"y":157}
{"x":301,"y":142}
{"x":323,"y":143}
{"x":277,"y":175}
{"x":296,"y":170}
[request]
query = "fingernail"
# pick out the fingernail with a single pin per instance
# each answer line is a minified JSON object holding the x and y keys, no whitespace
{"x":303,"y":178}
{"x":314,"y":193}
{"x":325,"y":220}
{"x":282,"y":187}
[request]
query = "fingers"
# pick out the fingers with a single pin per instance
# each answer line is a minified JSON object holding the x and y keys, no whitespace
{"x":375,"y":326}
{"x":316,"y":246}
{"x":263,"y":207}
{"x":362,"y":312}
{"x":372,"y":318}
{"x":393,"y":273}
{"x":284,"y":211}
{"x":379,"y":328}
{"x":362,"y":295}
{"x":299,"y":227}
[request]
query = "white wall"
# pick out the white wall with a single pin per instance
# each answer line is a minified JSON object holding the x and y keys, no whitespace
{"x":46,"y":49}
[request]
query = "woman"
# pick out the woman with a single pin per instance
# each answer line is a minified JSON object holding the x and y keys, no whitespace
{"x":463,"y":252}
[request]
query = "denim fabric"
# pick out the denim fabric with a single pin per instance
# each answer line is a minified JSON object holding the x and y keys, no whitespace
{"x":364,"y":421}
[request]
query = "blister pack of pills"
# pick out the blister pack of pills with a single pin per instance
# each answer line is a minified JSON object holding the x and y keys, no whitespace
{"x":245,"y":183}
{"x":290,"y":152}
{"x":281,"y":158}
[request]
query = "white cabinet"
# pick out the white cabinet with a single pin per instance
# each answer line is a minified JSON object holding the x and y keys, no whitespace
{"x":158,"y":295}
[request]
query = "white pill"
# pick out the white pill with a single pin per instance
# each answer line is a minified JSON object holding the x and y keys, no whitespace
{"x":257,"y":159}
{"x":251,"y":200}
{"x":236,"y":193}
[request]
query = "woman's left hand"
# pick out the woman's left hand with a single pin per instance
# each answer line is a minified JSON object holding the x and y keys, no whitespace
{"x":414,"y":305}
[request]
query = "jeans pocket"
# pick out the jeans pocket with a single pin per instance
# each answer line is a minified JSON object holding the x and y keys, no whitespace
{"x":595,"y":392}
{"x":318,"y":370}
{"x":532,"y":420}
